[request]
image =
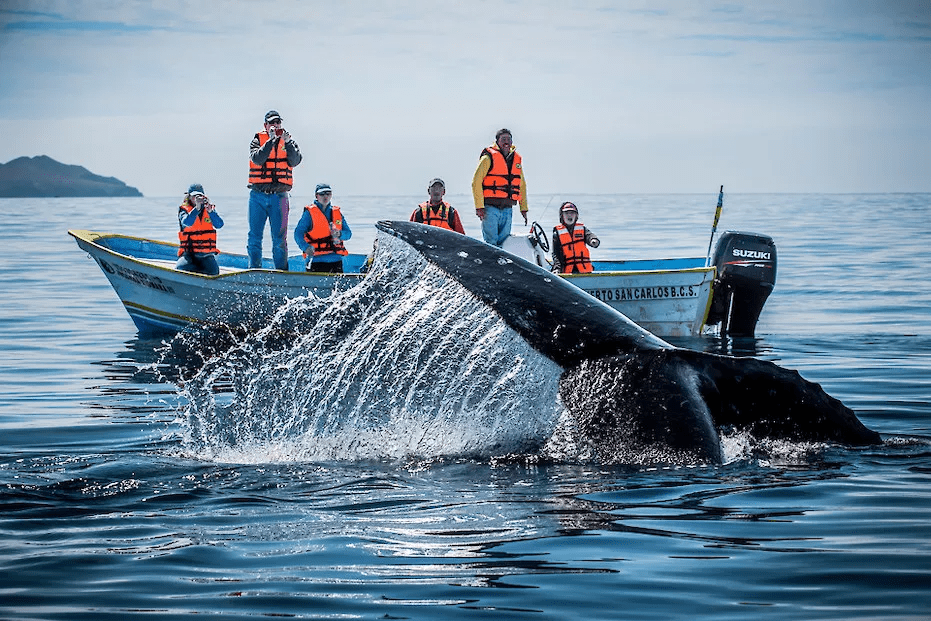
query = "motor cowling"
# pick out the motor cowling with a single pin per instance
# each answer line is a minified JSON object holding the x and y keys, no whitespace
{"x":746,"y":275}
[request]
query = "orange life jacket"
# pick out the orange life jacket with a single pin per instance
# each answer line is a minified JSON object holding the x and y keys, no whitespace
{"x":574,"y":251}
{"x":436,"y":215}
{"x":200,"y":237}
{"x":319,"y":235}
{"x":502,"y":181}
{"x":275,"y":169}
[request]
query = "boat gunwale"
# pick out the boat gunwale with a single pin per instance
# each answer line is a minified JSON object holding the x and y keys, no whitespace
{"x":683,"y":270}
{"x":91,"y":237}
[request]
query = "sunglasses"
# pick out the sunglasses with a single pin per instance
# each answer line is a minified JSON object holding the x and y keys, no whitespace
{"x":274,"y":122}
{"x":324,"y":193}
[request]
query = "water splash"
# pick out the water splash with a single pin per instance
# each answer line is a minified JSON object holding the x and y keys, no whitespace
{"x":405,"y":365}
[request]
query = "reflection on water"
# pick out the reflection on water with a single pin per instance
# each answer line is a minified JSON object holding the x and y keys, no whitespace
{"x":139,"y":362}
{"x":740,"y":346}
{"x":104,"y":514}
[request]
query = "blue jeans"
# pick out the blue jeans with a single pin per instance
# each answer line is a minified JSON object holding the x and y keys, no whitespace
{"x":274,"y":208}
{"x":497,"y":224}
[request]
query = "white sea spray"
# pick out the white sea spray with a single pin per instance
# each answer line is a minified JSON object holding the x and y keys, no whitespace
{"x":407,"y":364}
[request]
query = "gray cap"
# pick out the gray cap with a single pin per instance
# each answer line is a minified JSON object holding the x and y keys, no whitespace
{"x":434,"y":181}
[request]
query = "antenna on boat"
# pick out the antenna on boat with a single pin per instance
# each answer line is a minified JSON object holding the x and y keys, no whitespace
{"x":714,"y":227}
{"x":548,"y":203}
{"x":543,"y":213}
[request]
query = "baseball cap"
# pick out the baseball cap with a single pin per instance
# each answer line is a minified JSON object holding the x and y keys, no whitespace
{"x":196,"y":188}
{"x":434,"y":181}
{"x":272,"y":115}
{"x":322,"y":187}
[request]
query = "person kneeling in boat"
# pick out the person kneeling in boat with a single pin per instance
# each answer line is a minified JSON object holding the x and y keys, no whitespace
{"x":321,"y":232}
{"x":436,"y":211}
{"x":569,"y":239}
{"x":199,"y":222}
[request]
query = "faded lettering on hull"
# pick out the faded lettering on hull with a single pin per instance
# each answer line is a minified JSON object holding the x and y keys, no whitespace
{"x":152,"y":282}
{"x":624,"y":294}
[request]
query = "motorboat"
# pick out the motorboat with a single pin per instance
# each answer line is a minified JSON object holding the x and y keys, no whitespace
{"x":677,"y":296}
{"x":162,"y":299}
{"x":669,"y":297}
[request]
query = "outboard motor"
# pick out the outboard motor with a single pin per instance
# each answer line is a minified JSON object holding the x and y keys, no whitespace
{"x":746,"y":274}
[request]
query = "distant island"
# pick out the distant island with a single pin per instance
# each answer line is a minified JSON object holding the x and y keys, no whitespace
{"x":43,"y":177}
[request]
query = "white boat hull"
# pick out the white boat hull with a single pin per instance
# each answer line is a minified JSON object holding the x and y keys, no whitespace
{"x":667,"y":302}
{"x":668,"y":297}
{"x":160,"y":298}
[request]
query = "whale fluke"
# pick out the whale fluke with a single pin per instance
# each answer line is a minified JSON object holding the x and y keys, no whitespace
{"x":627,"y":388}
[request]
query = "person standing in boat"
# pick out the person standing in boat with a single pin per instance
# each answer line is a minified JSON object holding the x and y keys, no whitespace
{"x":498,"y":185}
{"x":436,"y":211}
{"x":569,"y":240}
{"x":320,"y":233}
{"x":199,"y":221}
{"x":273,"y":156}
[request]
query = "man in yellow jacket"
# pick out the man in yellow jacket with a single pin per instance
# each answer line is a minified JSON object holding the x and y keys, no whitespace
{"x":498,"y":185}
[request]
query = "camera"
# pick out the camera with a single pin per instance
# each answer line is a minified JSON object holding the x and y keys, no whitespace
{"x":279,"y":131}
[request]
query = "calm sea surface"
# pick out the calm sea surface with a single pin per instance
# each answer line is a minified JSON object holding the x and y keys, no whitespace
{"x":138,"y":480}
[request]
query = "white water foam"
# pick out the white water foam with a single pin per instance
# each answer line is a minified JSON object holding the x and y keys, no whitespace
{"x":406,"y":365}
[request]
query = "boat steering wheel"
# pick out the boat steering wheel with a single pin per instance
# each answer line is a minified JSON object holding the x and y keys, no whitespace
{"x":538,"y":236}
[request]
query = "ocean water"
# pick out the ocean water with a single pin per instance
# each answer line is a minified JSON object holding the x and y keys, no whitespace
{"x":374,"y":456}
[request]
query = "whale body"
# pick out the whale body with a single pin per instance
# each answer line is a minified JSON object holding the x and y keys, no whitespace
{"x":628,"y":389}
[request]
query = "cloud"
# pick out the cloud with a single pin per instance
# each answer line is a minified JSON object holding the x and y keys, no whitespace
{"x":601,"y":96}
{"x":52,"y":25}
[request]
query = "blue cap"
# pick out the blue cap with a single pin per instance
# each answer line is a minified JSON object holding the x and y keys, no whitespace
{"x":196,"y":188}
{"x":322,"y":187}
{"x":272,"y":115}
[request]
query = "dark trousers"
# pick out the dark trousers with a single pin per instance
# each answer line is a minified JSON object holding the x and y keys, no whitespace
{"x":199,"y":263}
{"x":327,"y":267}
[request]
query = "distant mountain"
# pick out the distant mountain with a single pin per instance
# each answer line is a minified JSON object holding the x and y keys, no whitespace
{"x":41,"y":176}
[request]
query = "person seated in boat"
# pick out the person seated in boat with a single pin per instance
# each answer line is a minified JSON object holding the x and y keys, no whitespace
{"x":569,"y":240}
{"x":436,"y":211}
{"x":320,"y":233}
{"x":199,"y":221}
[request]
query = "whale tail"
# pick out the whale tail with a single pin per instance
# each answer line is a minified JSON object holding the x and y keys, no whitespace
{"x":626,"y":386}
{"x":769,"y":401}
{"x":645,"y":407}
{"x":670,"y":405}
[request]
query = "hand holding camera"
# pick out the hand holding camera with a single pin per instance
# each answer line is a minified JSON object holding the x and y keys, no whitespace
{"x":202,"y":202}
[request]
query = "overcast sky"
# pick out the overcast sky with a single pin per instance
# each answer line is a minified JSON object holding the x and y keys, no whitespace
{"x":601,"y":96}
